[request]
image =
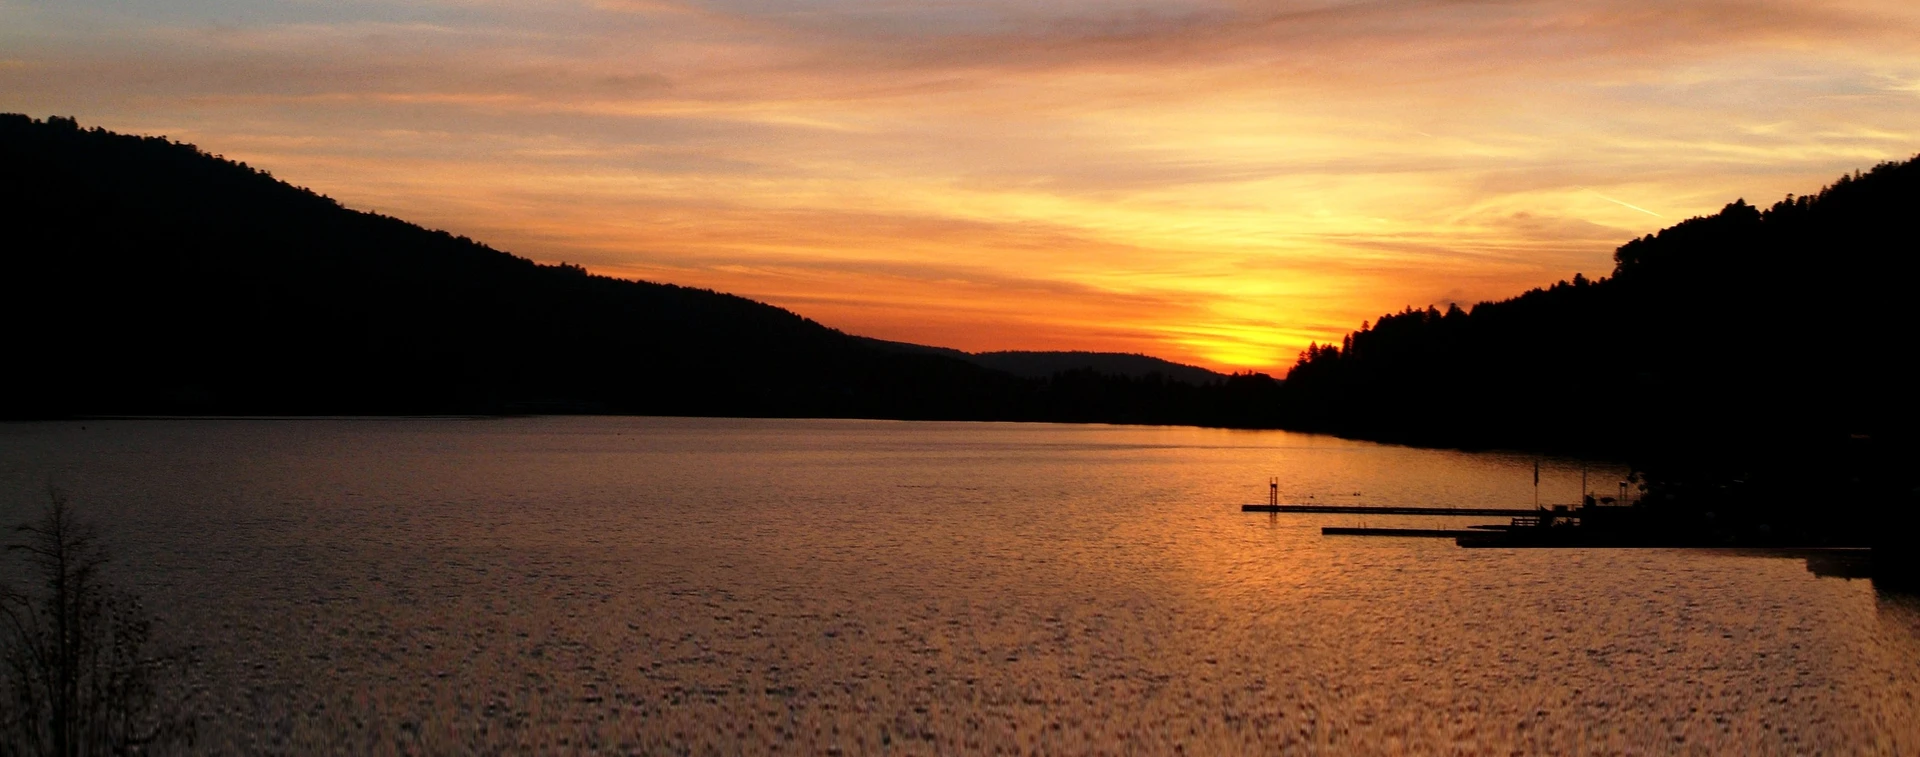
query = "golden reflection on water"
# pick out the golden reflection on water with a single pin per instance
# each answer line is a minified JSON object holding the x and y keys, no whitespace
{"x":728,"y":586}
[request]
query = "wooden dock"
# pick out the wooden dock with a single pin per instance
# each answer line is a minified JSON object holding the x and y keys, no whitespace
{"x":1468,"y":512}
{"x":1431,"y":533}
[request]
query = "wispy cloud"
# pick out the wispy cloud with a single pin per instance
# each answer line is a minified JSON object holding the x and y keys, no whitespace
{"x":1213,"y":180}
{"x":1622,"y":203}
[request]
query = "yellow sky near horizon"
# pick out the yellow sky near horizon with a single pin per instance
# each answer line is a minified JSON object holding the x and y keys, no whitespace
{"x":1216,"y":183}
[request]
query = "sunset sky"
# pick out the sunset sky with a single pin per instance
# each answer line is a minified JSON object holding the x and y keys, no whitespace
{"x":1208,"y":182}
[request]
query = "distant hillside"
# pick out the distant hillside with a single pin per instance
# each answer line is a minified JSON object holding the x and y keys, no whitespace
{"x":1749,"y":328}
{"x":910,"y":348}
{"x":1043,"y":364}
{"x":145,"y":276}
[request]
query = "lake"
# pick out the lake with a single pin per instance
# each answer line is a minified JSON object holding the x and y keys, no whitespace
{"x":723,"y":586}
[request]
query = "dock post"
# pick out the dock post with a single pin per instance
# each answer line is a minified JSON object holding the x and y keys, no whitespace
{"x":1273,"y":491}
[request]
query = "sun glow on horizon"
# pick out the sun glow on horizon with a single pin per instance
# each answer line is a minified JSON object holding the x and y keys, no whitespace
{"x":1215,"y":183}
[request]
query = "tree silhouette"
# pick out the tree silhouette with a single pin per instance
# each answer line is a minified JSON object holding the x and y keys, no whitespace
{"x":75,"y":669}
{"x":1754,"y":350}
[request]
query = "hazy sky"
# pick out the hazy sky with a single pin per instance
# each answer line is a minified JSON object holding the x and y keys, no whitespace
{"x":1211,"y":182}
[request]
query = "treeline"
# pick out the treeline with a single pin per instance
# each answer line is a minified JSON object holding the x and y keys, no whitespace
{"x":1084,"y":395}
{"x":1746,"y":325}
{"x":144,"y":276}
{"x":1751,"y":347}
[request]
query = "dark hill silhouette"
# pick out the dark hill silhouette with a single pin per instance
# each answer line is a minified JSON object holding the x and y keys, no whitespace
{"x":1754,"y":359}
{"x":910,"y":348}
{"x":1746,"y":325}
{"x":1040,"y":364}
{"x":145,"y":276}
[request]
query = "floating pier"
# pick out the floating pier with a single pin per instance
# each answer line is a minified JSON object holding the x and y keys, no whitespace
{"x":1273,"y":506}
{"x":1431,"y":533}
{"x":1470,"y":512}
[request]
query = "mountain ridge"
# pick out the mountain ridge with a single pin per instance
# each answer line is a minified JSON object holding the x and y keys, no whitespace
{"x":147,"y":276}
{"x":1039,"y":364}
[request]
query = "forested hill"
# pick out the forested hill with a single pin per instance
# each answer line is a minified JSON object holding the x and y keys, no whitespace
{"x":1033,"y":364}
{"x":1042,"y":364}
{"x":1748,"y":328}
{"x":145,"y":276}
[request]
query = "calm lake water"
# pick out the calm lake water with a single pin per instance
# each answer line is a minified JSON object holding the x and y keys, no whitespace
{"x":705,"y":586}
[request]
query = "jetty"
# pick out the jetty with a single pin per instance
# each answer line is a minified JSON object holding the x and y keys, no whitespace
{"x":1605,"y":522}
{"x":1273,"y":505}
{"x":1425,"y":533}
{"x":1465,"y":512}
{"x":1522,"y":520}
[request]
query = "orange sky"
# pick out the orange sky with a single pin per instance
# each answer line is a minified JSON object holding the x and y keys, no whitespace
{"x":1210,"y":182}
